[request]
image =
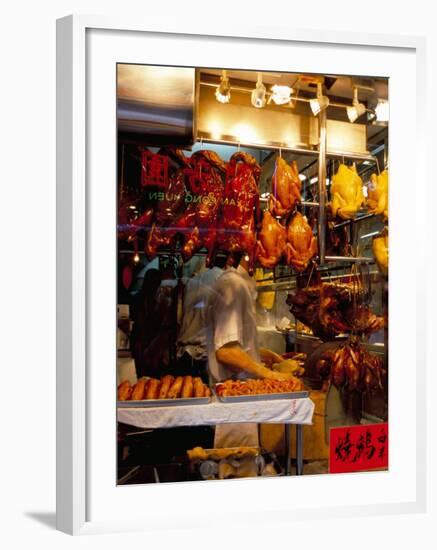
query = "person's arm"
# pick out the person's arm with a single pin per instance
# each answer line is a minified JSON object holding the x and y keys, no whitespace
{"x":234,"y":357}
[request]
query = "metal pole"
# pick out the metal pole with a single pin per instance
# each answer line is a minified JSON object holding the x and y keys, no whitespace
{"x":299,"y":449}
{"x":287,"y":449}
{"x":322,"y":186}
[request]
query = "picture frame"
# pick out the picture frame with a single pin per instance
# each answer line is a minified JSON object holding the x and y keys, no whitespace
{"x":80,"y":423}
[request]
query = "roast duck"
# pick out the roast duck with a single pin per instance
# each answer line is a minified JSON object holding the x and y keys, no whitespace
{"x":286,"y":187}
{"x":301,"y":243}
{"x":198,"y":224}
{"x":330,"y":309}
{"x":352,"y":367}
{"x":346,"y":192}
{"x":168,"y":211}
{"x":377,"y":199}
{"x":240,"y":208}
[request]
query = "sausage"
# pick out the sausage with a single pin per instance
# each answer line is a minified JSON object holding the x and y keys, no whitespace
{"x":124,"y":391}
{"x":152,"y":391}
{"x":138,"y":390}
{"x":198,"y":387}
{"x":166,"y":382}
{"x":187,"y":387}
{"x":175,"y":388}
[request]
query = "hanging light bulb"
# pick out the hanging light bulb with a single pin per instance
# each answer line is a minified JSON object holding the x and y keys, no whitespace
{"x":136,"y":257}
{"x":223,"y":91}
{"x":382,"y":110}
{"x":259,"y":93}
{"x":281,"y":94}
{"x":320,"y":102}
{"x":357,"y":109}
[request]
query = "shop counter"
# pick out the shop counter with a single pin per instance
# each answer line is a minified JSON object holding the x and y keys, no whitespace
{"x":278,"y":411}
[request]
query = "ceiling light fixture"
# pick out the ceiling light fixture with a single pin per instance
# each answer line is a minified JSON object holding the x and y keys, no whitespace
{"x":223,"y":90}
{"x":320,"y":102}
{"x":357,"y":109}
{"x":259,"y":93}
{"x":281,"y":94}
{"x":382,"y":110}
{"x":302,"y":177}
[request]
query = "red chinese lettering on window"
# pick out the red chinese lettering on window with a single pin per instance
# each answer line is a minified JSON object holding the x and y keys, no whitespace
{"x":358,"y":448}
{"x":154,"y":170}
{"x":198,"y":173}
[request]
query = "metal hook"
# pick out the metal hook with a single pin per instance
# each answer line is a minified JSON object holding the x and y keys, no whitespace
{"x":280,"y":152}
{"x":377,"y":166}
{"x":201,"y":142}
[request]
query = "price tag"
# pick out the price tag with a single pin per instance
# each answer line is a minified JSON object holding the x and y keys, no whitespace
{"x":358,"y":448}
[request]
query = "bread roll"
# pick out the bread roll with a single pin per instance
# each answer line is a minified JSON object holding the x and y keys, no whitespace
{"x":152,"y":391}
{"x":187,"y":387}
{"x":175,"y":388}
{"x":138,"y":390}
{"x":124,"y":391}
{"x":166,"y":382}
{"x":198,"y":387}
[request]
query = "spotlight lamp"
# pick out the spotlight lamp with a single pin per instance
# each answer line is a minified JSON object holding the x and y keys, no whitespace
{"x":357,"y":109}
{"x":382,"y":110}
{"x":281,"y":94}
{"x":223,"y":90}
{"x":320,"y":102}
{"x":258,"y":98}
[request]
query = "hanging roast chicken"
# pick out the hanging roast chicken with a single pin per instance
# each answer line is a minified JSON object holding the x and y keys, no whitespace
{"x":240,"y":210}
{"x":198,"y":225}
{"x":377,"y":199}
{"x":346,"y":192}
{"x":286,"y":187}
{"x":272,"y":240}
{"x":301,"y":243}
{"x":380,"y":251}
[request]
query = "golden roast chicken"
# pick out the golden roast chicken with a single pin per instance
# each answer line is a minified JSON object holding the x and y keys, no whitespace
{"x":380,"y":250}
{"x":286,"y":187}
{"x":302,"y":244}
{"x":346,"y":192}
{"x":377,"y":200}
{"x":271,"y":241}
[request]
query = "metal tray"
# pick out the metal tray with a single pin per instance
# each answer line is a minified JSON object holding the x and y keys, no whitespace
{"x":148,"y":403}
{"x":261,"y":397}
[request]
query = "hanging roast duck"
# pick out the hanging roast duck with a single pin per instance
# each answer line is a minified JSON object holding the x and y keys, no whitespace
{"x":240,"y":210}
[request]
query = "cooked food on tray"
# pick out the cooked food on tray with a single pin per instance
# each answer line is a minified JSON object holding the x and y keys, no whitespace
{"x":166,"y":388}
{"x":231,"y":388}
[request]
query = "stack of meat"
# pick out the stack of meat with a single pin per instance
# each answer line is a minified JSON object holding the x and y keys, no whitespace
{"x":330,"y":309}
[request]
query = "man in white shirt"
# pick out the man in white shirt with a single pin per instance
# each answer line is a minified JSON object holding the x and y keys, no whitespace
{"x":233,"y":344}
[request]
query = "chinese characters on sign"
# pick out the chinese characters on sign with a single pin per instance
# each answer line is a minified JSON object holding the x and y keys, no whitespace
{"x":154,"y":170}
{"x":358,"y":448}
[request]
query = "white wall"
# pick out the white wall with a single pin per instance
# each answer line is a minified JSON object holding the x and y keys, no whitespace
{"x":27,"y":399}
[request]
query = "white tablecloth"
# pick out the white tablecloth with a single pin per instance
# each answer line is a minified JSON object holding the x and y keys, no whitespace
{"x":279,"y":411}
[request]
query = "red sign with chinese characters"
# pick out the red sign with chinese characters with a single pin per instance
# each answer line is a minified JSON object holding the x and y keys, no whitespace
{"x":358,"y":448}
{"x":154,"y":170}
